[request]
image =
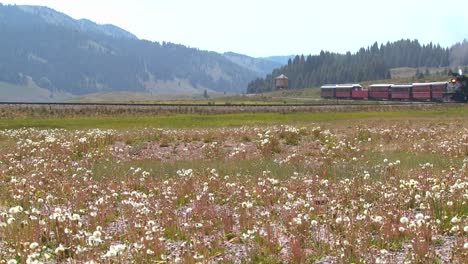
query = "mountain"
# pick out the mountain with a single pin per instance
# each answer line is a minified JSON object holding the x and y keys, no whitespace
{"x":258,"y":65}
{"x":57,"y":56}
{"x":280,"y":59}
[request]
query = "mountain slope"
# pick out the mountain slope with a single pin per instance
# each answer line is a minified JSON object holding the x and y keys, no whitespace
{"x":258,"y":65}
{"x":47,"y":49}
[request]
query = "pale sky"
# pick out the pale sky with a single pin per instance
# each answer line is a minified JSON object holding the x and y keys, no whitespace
{"x":270,"y":27}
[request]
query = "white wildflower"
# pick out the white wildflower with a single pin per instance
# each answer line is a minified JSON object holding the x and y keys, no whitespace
{"x":15,"y":209}
{"x":33,"y":245}
{"x":404,"y":220}
{"x":455,"y":220}
{"x":59,"y":249}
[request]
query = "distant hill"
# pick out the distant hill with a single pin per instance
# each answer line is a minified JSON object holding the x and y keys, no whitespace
{"x":57,"y":56}
{"x":280,"y":59}
{"x":258,"y":65}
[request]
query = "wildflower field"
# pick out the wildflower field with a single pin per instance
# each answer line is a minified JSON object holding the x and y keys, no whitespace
{"x":368,"y":189}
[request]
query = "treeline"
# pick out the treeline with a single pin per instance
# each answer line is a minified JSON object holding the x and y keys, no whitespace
{"x":371,"y":63}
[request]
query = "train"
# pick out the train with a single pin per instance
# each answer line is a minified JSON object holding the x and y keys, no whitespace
{"x":454,"y":90}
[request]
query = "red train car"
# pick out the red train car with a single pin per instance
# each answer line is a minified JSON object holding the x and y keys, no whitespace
{"x":437,"y":90}
{"x":421,"y":91}
{"x":343,"y":91}
{"x":400,"y":91}
{"x":379,"y":91}
{"x":327,"y":91}
{"x":359,"y":93}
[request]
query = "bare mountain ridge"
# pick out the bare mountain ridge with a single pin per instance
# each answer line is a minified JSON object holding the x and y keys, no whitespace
{"x":259,"y":65}
{"x":59,"y":19}
{"x":283,"y":60}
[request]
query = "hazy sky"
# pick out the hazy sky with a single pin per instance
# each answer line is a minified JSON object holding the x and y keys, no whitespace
{"x":271,"y":27}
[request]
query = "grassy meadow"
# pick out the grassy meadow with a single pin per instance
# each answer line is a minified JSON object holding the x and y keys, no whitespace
{"x":346,"y":186}
{"x":44,"y":117}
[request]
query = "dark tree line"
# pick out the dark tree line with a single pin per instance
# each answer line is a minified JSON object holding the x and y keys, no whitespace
{"x":371,"y":63}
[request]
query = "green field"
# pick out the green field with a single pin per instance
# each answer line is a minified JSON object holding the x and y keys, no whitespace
{"x":233,"y":119}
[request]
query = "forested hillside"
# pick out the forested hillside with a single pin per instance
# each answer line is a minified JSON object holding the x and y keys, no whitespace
{"x":371,"y":63}
{"x":43,"y":48}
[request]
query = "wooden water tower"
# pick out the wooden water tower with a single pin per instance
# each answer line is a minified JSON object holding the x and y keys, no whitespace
{"x":281,"y":82}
